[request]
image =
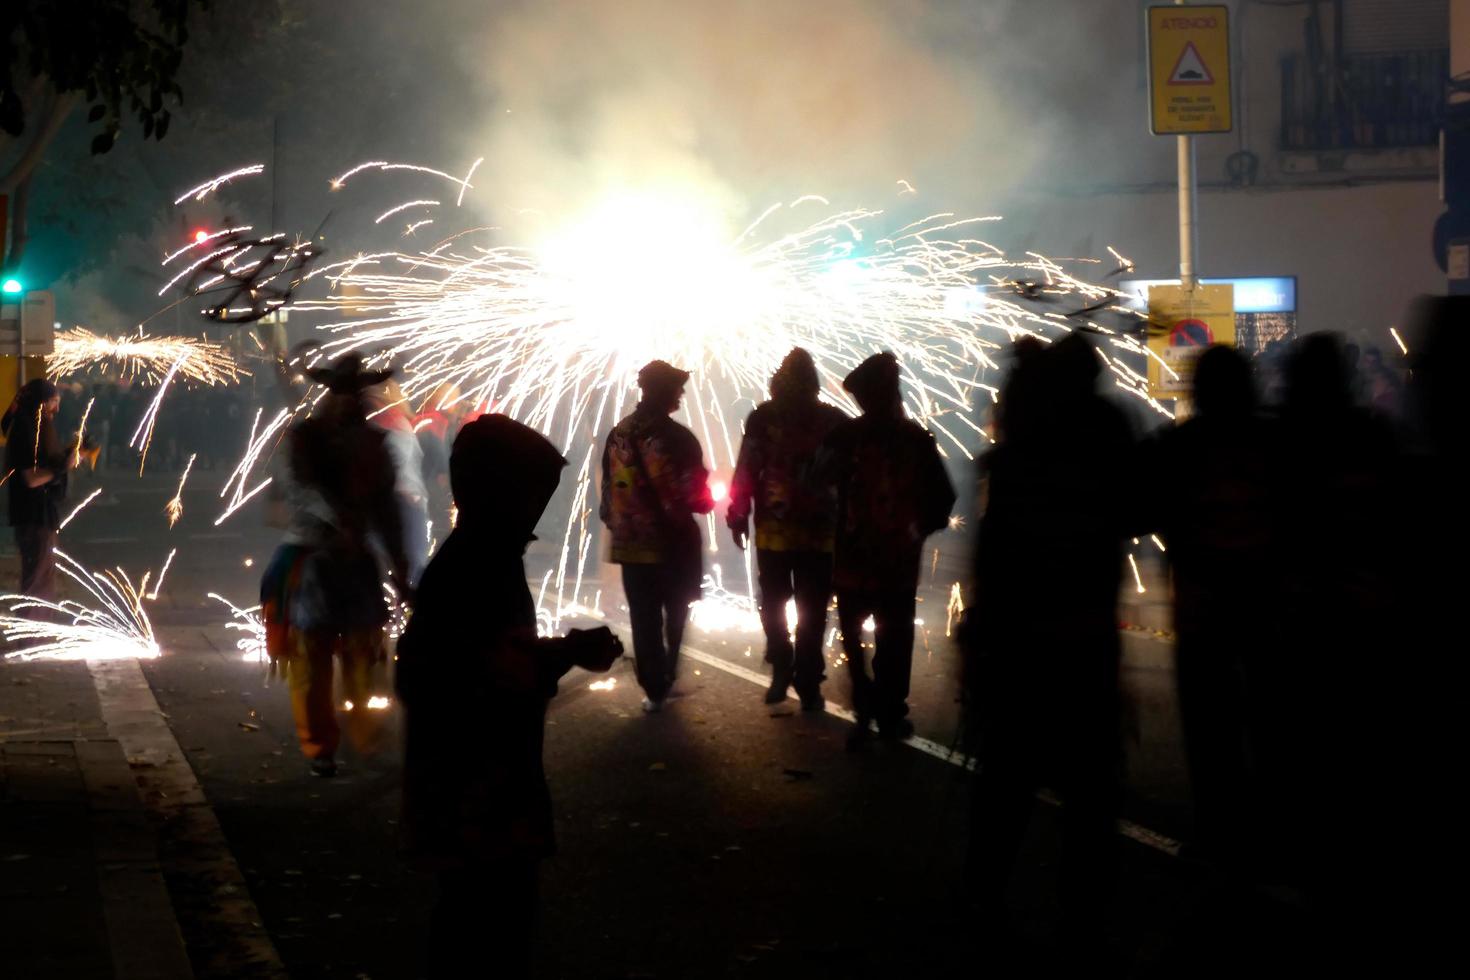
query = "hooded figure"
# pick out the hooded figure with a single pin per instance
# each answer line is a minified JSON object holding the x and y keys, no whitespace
{"x":892,"y":493}
{"x":653,"y":483}
{"x":322,"y":593}
{"x":1219,"y":521}
{"x":36,"y":462}
{"x":474,"y":680}
{"x":794,"y":523}
{"x":1042,"y":646}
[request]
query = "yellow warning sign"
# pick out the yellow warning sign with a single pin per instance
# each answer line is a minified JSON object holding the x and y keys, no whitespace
{"x":1182,"y":326}
{"x":1189,"y":69}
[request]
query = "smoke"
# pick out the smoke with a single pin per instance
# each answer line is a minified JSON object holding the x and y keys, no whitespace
{"x":745,"y":103}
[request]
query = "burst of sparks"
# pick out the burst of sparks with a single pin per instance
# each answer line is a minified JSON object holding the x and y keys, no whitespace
{"x":81,"y":433}
{"x":175,"y":507}
{"x":114,"y":627}
{"x":78,"y":508}
{"x":1137,"y":579}
{"x":143,"y":435}
{"x":1399,"y":340}
{"x":143,"y":356}
{"x":603,"y":685}
{"x":955,"y":608}
{"x":153,"y":596}
{"x":552,"y":332}
{"x":200,"y":192}
{"x":248,"y":622}
{"x":259,"y":439}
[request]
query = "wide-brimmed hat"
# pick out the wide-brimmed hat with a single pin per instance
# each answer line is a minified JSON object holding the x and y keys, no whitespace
{"x":661,"y":376}
{"x":345,"y":375}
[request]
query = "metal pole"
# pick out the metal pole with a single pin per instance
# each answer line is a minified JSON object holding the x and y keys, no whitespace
{"x":1187,"y":208}
{"x":1188,"y":224}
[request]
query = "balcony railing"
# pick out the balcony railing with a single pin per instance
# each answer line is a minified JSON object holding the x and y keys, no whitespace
{"x":1364,"y":102}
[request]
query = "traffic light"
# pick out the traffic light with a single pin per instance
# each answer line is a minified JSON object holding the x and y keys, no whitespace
{"x":12,"y":286}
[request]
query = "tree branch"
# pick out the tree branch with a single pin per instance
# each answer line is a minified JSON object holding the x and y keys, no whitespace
{"x":21,"y":171}
{"x":19,"y":232}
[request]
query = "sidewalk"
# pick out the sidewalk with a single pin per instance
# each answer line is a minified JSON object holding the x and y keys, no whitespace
{"x":82,"y":894}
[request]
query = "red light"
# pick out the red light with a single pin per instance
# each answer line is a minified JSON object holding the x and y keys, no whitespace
{"x":200,"y":236}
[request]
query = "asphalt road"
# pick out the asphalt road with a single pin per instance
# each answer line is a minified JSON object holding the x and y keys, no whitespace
{"x":721,"y":838}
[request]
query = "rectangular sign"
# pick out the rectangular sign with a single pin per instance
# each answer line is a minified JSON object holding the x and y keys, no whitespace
{"x":1189,"y":69}
{"x":1182,"y":326}
{"x":1253,"y":294}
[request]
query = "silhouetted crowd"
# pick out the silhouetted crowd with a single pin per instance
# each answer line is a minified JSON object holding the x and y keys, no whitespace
{"x":1315,"y":537}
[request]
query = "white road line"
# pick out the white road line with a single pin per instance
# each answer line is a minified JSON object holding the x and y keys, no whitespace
{"x":108,"y":541}
{"x":169,"y":786}
{"x":216,"y":536}
{"x":1129,"y":829}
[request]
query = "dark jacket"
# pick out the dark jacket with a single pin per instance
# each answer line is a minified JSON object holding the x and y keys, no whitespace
{"x":892,"y":493}
{"x":781,"y":440}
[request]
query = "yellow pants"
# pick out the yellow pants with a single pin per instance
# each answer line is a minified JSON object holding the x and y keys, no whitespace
{"x":309,"y":669}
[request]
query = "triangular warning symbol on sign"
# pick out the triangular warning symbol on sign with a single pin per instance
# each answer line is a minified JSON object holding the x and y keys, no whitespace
{"x":1190,"y":68}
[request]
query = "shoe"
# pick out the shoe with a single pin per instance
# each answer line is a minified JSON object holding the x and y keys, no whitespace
{"x":813,"y":702}
{"x":896,"y":731}
{"x":324,"y":767}
{"x":652,"y":707}
{"x":776,"y":693}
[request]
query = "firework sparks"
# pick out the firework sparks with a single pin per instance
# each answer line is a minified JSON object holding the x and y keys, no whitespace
{"x":143,"y":356}
{"x":955,"y":608}
{"x":76,"y":459}
{"x":552,"y":332}
{"x":116,"y":627}
{"x":175,"y":507}
{"x":603,"y":685}
{"x":204,"y":189}
{"x":1403,"y":347}
{"x":1137,"y":579}
{"x":235,"y":485}
{"x":78,"y":508}
{"x":247,"y":621}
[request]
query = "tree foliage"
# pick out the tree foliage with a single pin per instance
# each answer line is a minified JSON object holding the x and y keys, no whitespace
{"x":122,"y":56}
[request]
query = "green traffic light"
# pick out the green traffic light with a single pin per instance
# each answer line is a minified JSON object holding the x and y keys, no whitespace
{"x":11,"y":286}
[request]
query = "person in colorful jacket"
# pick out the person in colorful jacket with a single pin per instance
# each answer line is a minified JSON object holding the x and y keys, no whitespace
{"x":794,"y":524}
{"x":322,"y":593}
{"x":653,"y":483}
{"x":892,"y":493}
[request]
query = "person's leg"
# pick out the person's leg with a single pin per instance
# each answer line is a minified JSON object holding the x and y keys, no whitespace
{"x":309,"y":673}
{"x":813,"y":581}
{"x":27,"y":543}
{"x":893,"y":657}
{"x":1088,"y":768}
{"x":774,"y":570}
{"x":852,"y":609}
{"x":645,"y":615}
{"x":676,"y":602}
{"x":362,"y":666}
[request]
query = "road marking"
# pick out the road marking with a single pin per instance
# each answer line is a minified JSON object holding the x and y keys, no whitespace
{"x":108,"y":541}
{"x":1142,"y":835}
{"x":241,"y":946}
{"x":216,"y":536}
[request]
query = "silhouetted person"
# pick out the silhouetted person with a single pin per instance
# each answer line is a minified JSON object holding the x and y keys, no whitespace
{"x":653,"y":483}
{"x":474,"y":680}
{"x":1432,"y":678}
{"x":1218,"y":516}
{"x":36,"y":465}
{"x":1042,"y":635}
{"x":322,"y":594}
{"x":1336,"y":712}
{"x":794,"y":524}
{"x":892,"y":493}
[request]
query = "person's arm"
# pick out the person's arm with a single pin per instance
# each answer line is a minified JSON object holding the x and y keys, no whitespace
{"x":748,"y":467}
{"x":936,"y":490}
{"x":675,"y":469}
